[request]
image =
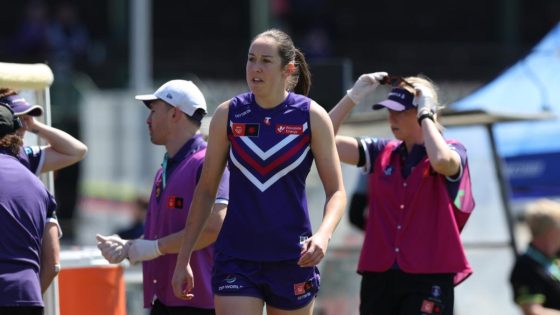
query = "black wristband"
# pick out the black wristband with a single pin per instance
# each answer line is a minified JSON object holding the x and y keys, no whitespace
{"x":429,"y":115}
{"x":361,"y":153}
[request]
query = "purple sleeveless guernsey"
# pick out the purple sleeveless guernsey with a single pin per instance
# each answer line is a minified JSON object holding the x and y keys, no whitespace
{"x":270,"y":157}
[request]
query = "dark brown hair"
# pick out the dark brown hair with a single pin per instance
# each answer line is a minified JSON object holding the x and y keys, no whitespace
{"x":6,"y":92}
{"x":300,"y":81}
{"x":11,"y":142}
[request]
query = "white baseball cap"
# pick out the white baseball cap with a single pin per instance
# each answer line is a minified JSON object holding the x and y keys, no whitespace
{"x":182,"y":94}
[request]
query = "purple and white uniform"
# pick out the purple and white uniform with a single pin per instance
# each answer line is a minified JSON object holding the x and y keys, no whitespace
{"x":260,"y":241}
{"x":270,"y":157}
{"x":33,"y":158}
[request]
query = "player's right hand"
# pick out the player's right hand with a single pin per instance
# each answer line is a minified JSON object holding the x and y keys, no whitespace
{"x":113,"y":248}
{"x":365,"y":84}
{"x":183,"y":282}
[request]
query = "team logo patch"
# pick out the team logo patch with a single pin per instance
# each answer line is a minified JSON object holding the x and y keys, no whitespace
{"x":158,"y":191}
{"x":302,"y":287}
{"x":158,"y":188}
{"x":175,"y":202}
{"x":436,"y":291}
{"x":289,"y":129}
{"x":388,"y":171}
{"x":427,"y":307}
{"x":249,"y":130}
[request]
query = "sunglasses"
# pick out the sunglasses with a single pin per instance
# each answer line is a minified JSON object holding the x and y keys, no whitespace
{"x":395,"y":81}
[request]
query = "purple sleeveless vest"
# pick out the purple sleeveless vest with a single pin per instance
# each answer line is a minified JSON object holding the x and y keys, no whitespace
{"x":413,"y":221}
{"x":167,"y":217}
{"x":269,"y":160}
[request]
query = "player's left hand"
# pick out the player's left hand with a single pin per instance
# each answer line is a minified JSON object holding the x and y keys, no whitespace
{"x":424,"y":100}
{"x":313,"y":250}
{"x":183,"y":282}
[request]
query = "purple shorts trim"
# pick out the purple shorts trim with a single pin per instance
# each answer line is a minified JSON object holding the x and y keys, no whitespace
{"x":283,"y":284}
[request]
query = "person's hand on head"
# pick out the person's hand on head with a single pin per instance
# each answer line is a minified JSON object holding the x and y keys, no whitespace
{"x":141,"y":250}
{"x":28,"y":121}
{"x":424,"y":100}
{"x":365,"y":84}
{"x":113,"y":248}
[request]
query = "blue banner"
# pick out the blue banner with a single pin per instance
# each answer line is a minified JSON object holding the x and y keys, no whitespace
{"x":533,"y":175}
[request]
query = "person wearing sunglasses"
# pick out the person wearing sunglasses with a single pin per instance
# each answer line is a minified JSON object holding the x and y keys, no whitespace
{"x":419,"y":200}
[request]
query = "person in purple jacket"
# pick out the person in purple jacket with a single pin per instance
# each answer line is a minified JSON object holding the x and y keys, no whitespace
{"x":176,"y":112}
{"x":24,"y":206}
{"x":419,"y":201}
{"x":266,"y":253}
{"x":61,"y":150}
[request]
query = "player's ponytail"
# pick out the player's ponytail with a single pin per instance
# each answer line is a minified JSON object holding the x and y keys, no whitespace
{"x":303,"y":75}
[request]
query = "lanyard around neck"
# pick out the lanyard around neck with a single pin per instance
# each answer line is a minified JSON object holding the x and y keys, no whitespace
{"x":548,"y":264}
{"x":164,"y":170}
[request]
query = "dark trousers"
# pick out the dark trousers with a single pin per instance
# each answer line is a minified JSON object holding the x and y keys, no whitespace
{"x":398,"y":293}
{"x":26,"y":310}
{"x":160,"y":309}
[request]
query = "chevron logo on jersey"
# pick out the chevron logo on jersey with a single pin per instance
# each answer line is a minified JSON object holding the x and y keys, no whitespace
{"x":264,"y":167}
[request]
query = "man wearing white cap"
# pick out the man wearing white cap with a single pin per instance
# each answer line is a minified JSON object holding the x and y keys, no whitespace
{"x":176,"y":111}
{"x":61,"y":151}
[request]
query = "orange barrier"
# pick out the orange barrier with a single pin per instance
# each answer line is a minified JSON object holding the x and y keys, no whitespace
{"x":92,"y":290}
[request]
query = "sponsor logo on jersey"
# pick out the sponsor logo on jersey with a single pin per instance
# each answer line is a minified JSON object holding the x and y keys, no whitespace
{"x":289,"y":129}
{"x":242,"y":113}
